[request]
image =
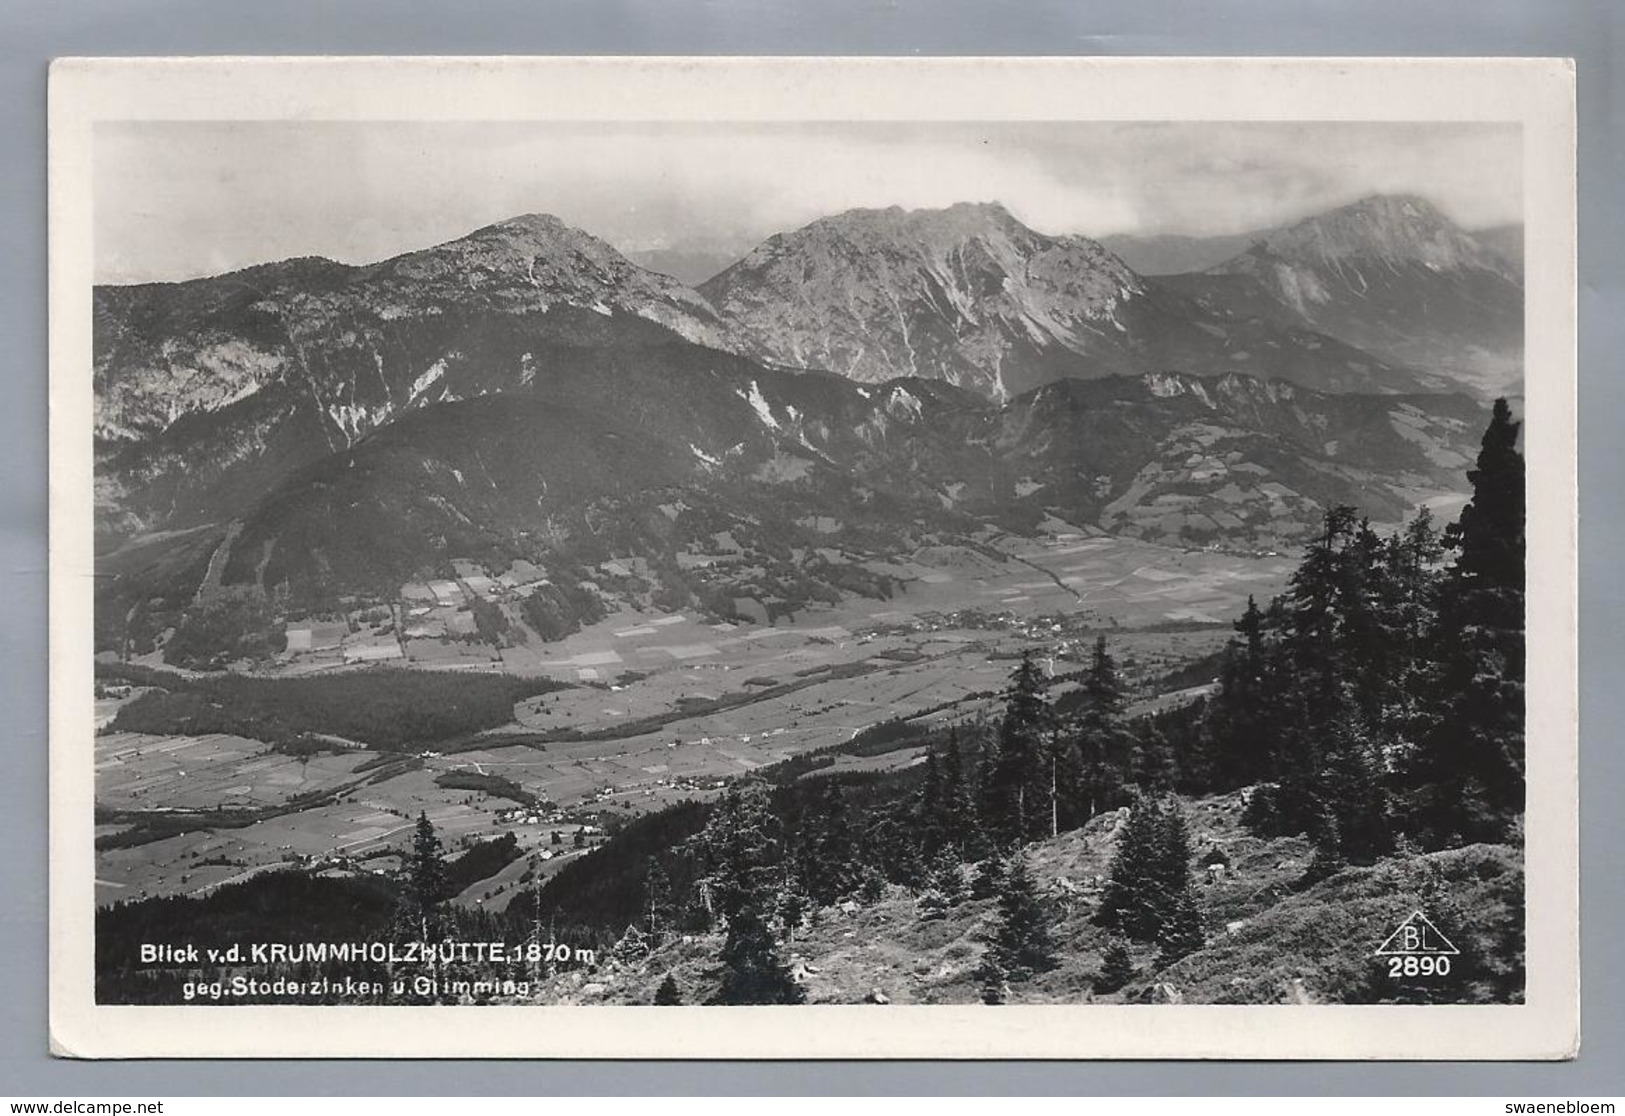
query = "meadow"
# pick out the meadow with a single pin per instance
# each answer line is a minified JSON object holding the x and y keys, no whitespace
{"x":640,"y":710}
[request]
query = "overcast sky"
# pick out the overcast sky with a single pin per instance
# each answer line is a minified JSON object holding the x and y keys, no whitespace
{"x":177,"y":200}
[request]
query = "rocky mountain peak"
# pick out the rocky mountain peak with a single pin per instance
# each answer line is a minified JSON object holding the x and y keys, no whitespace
{"x":535,"y":261}
{"x":1393,"y":275}
{"x":515,"y":246}
{"x":964,"y":294}
{"x":1392,"y":228}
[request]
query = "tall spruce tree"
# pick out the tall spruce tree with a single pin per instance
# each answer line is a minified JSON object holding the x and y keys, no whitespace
{"x":752,"y":970}
{"x":742,"y":844}
{"x":658,"y":907}
{"x":1240,"y":726}
{"x":1023,"y":941}
{"x":1150,"y":870}
{"x":931,"y":824}
{"x":1104,"y":744}
{"x":829,"y":865}
{"x":1317,"y":602}
{"x":426,"y":886}
{"x":1155,"y":770}
{"x":1020,"y":777}
{"x":1468,"y":774}
{"x":961,"y":820}
{"x":1353,"y":790}
{"x":1069,"y":788}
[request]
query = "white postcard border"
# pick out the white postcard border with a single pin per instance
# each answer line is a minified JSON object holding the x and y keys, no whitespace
{"x":1537,"y":93}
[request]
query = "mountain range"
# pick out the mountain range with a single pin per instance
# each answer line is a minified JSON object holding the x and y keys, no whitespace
{"x":972,"y":296}
{"x":1389,"y":274}
{"x":1176,"y":253}
{"x":872,"y":382}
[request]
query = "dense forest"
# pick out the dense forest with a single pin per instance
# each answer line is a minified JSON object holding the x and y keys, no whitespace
{"x":1376,"y":708}
{"x":388,"y":709}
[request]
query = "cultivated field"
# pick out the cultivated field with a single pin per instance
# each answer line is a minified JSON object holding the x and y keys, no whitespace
{"x":671,"y":704}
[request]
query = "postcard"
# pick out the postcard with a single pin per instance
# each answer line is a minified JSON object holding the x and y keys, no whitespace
{"x":813,"y":558}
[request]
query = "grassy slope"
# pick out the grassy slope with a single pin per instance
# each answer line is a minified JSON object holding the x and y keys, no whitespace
{"x":1290,"y":946}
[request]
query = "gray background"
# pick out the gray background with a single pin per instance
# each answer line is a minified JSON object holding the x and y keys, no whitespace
{"x":33,"y":31}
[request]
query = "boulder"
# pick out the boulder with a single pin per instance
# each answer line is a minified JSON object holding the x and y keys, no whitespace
{"x":1161,"y":993}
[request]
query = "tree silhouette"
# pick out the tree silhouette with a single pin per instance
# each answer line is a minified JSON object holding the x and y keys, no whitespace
{"x":425,"y":878}
{"x":1469,"y":771}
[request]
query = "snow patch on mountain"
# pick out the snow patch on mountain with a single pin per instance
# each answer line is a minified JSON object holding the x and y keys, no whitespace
{"x":423,"y":383}
{"x":760,"y":405}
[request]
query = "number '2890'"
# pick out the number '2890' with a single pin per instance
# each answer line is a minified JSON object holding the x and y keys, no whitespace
{"x":1414,"y":966}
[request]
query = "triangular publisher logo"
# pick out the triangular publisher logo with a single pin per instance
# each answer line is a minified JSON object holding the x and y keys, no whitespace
{"x":1417,"y":935}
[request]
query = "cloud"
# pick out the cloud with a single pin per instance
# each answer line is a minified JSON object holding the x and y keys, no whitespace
{"x":181,"y":199}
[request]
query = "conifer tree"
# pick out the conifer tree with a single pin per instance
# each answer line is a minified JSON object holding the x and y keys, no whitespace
{"x":1116,"y":967}
{"x":1104,"y":686}
{"x":1238,"y":729}
{"x":989,"y":805}
{"x":987,"y":879}
{"x":753,"y":972}
{"x":995,"y":982}
{"x":932,"y":810}
{"x":1068,"y":793}
{"x":945,"y":886}
{"x":871,"y":885}
{"x":829,"y":861}
{"x":1489,"y":535}
{"x":1150,"y":870}
{"x":1154,"y":770}
{"x":1181,"y":930}
{"x":668,"y":994}
{"x":425,"y":881}
{"x":892,"y":849}
{"x":658,"y":910}
{"x":1103,"y":742}
{"x":961,"y":820}
{"x":1328,"y":859}
{"x":794,"y":904}
{"x":633,"y":945}
{"x":1021,"y":773}
{"x":1469,"y":768}
{"x":1353,"y":789}
{"x":743,"y":850}
{"x":1132,"y":903}
{"x":1022,"y":943}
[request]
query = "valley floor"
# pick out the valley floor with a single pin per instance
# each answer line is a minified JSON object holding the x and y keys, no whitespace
{"x":670,"y":705}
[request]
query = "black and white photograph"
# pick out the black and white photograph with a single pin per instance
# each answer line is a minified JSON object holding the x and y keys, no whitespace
{"x":1059,"y":558}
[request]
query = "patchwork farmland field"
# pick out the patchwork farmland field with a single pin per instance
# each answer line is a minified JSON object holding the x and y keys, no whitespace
{"x":209,"y":772}
{"x":660,"y":707}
